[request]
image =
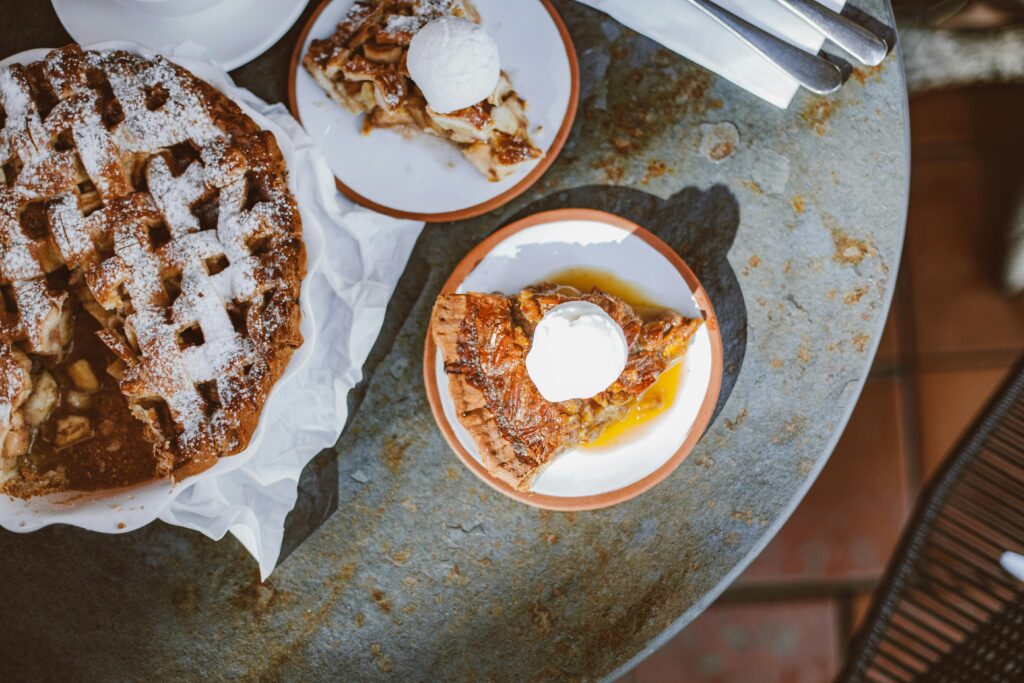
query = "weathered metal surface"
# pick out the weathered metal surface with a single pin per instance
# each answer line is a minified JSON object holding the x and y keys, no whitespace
{"x":793,"y":219}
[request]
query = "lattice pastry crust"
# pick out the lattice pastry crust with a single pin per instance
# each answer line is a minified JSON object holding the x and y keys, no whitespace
{"x":362,"y":67}
{"x":136,"y":193}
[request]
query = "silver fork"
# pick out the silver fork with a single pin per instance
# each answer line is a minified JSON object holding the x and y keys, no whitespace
{"x":860,"y":43}
{"x":811,"y":71}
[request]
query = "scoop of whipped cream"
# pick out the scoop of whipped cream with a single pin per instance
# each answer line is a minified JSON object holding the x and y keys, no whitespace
{"x":578,"y":351}
{"x":454,"y":62}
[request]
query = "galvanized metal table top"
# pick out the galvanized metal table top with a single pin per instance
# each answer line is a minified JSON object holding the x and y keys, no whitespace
{"x":792,"y":219}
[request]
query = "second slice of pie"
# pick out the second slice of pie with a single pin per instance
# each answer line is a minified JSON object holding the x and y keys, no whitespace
{"x":484,"y":340}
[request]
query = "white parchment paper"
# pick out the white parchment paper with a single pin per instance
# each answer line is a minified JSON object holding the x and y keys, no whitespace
{"x":362,"y":257}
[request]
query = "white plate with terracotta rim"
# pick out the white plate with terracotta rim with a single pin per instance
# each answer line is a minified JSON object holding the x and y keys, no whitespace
{"x":530,"y":250}
{"x":233,"y":32}
{"x":422,"y":177}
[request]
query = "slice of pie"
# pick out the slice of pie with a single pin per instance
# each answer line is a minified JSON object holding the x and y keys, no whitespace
{"x":151,"y":259}
{"x":484,"y":339}
{"x":362,"y":65}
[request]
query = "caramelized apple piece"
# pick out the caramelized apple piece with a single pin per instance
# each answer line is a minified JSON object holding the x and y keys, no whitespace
{"x":16,"y":381}
{"x":16,"y":443}
{"x":44,"y":397}
{"x":82,"y":376}
{"x":71,"y":429}
{"x":79,"y":400}
{"x":116,"y":369}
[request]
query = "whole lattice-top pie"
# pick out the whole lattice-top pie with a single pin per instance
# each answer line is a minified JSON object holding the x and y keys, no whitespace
{"x":362,"y":66}
{"x":484,"y":340}
{"x":151,"y":258}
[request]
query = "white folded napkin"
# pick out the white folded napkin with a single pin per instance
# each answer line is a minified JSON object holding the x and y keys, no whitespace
{"x":683,"y":28}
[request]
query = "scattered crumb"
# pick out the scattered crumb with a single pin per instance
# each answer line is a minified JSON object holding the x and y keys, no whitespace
{"x":718,"y":140}
{"x":855,"y":295}
{"x":804,"y":352}
{"x":613,"y":172}
{"x":541,"y":617}
{"x":655,"y":169}
{"x":382,"y":661}
{"x":745,"y":516}
{"x":741,"y":417}
{"x":849,"y":251}
{"x":623,"y":145}
{"x":863,"y":74}
{"x":753,"y":186}
{"x":818,"y":112}
{"x":383,"y":604}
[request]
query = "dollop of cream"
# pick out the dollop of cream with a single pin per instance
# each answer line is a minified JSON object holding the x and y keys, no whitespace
{"x":578,"y":351}
{"x":454,"y":62}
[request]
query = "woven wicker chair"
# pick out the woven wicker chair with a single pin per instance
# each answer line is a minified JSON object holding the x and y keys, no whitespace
{"x":946,"y":610}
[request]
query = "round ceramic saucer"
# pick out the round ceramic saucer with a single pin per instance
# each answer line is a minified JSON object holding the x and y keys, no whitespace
{"x":423,"y":177}
{"x":233,"y":32}
{"x":534,"y":249}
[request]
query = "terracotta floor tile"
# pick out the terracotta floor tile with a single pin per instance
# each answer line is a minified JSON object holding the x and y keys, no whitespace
{"x":955,"y":236}
{"x":977,"y":114}
{"x":889,"y":348}
{"x":948,"y":402}
{"x":859,"y":606}
{"x":628,"y":678}
{"x":847,"y":524}
{"x":791,"y":642}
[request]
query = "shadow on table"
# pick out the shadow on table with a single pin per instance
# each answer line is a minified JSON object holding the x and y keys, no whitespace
{"x":317,"y":501}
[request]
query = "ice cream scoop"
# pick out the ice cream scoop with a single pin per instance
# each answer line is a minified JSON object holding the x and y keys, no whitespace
{"x":578,"y":351}
{"x":454,"y":63}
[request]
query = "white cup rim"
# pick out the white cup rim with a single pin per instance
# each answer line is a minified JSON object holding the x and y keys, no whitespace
{"x":168,"y":8}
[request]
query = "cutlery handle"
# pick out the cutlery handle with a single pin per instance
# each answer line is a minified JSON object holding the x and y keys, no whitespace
{"x":810,"y":71}
{"x":866,"y":47}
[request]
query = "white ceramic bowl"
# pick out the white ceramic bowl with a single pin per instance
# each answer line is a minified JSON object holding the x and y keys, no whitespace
{"x":126,"y":509}
{"x":528,"y":252}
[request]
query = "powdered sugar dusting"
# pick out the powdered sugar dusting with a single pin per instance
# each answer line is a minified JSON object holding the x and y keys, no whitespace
{"x":116,"y":119}
{"x":404,"y":23}
{"x":423,"y":12}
